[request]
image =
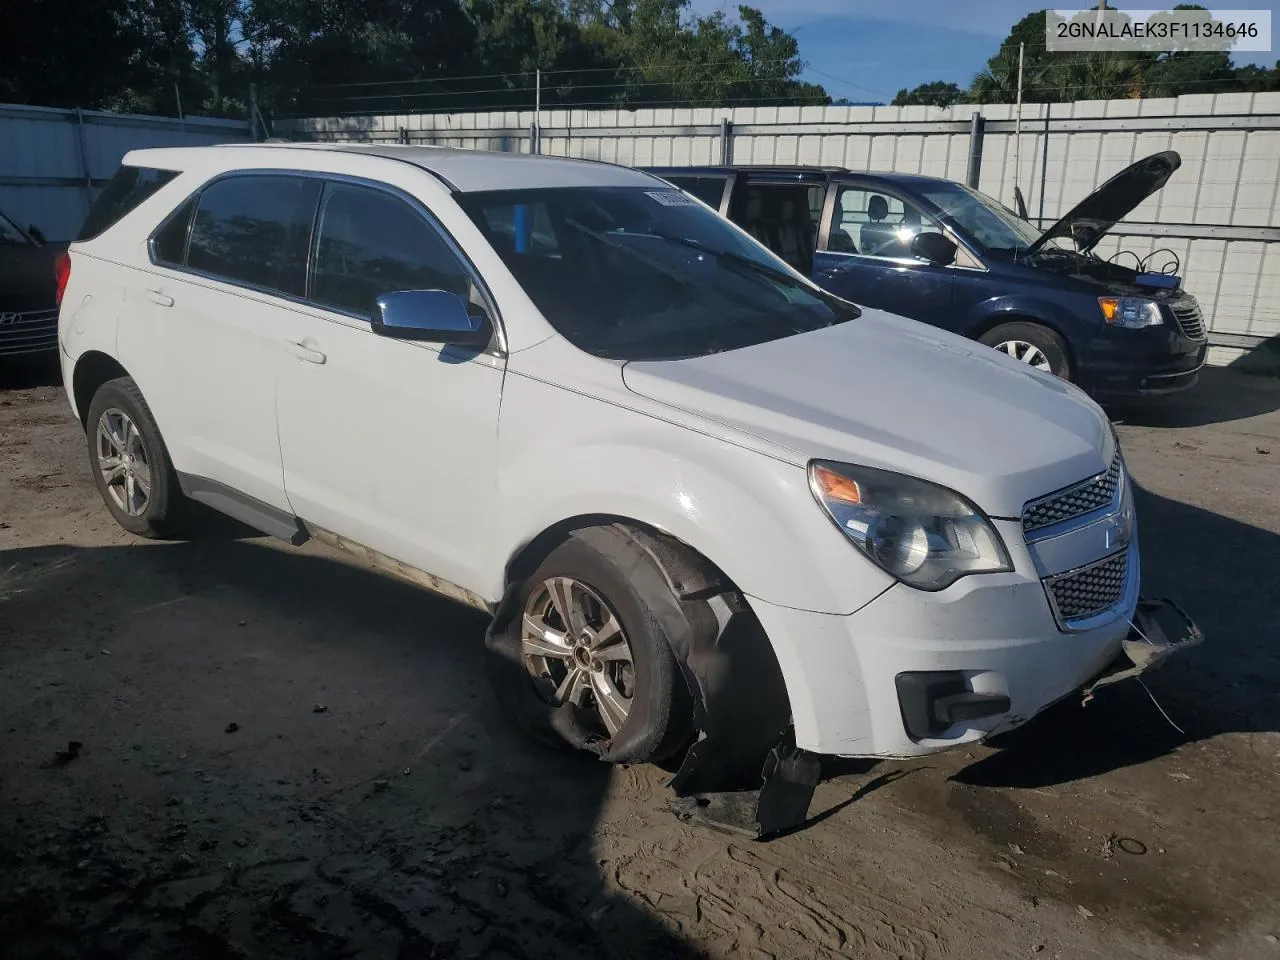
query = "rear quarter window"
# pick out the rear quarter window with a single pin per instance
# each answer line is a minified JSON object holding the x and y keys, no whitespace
{"x":123,"y":193}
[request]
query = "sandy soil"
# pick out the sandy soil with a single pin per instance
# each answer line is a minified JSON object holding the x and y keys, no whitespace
{"x":285,"y":754}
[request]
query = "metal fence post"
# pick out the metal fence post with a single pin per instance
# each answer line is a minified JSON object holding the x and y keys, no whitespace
{"x":1044,"y":161}
{"x":253,"y":113}
{"x":726,"y":141}
{"x":977,"y":126}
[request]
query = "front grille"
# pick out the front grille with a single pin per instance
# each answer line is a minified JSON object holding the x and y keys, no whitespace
{"x":1090,"y":590}
{"x":29,"y":332}
{"x":1085,"y":497}
{"x":1190,"y":319}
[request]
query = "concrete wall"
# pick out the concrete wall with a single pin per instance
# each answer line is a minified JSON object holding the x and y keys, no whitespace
{"x":52,"y":161}
{"x":1219,"y":213}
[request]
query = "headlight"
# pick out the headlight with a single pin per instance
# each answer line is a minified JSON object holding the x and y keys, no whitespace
{"x":924,"y":535}
{"x":1131,"y":312}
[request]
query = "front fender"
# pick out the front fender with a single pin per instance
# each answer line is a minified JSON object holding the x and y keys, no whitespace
{"x":1058,"y":315}
{"x":748,"y":513}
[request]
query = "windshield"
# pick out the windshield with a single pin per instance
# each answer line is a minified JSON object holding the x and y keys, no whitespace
{"x":10,"y":235}
{"x":637,"y":273}
{"x":989,"y":222}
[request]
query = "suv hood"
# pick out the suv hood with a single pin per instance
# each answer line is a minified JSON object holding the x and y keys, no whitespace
{"x":1090,"y":219}
{"x":887,"y":392}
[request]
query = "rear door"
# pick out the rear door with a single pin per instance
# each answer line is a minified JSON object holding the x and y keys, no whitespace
{"x":867,"y":255}
{"x":205,"y":329}
{"x":783,"y":213}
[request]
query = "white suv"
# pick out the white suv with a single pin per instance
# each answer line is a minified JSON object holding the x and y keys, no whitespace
{"x":702,"y":497}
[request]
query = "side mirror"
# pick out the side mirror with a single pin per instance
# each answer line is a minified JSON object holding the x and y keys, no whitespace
{"x":36,"y":234}
{"x":435,"y":316}
{"x":933,"y":248}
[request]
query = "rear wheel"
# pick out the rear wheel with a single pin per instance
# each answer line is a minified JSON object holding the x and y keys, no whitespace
{"x":1032,"y":344}
{"x":130,"y":463}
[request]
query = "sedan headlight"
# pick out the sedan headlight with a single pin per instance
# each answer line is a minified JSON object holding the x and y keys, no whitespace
{"x":924,"y":535}
{"x":1131,"y":312}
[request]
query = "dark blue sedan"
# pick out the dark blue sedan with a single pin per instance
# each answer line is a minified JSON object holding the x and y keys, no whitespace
{"x":943,"y":253}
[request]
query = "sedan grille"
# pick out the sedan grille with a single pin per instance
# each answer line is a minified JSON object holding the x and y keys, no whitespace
{"x":1089,"y":590}
{"x":1085,"y":497}
{"x":1190,"y":319}
{"x":29,"y":332}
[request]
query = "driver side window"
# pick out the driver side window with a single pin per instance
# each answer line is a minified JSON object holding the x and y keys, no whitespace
{"x":369,"y":242}
{"x":874,"y":223}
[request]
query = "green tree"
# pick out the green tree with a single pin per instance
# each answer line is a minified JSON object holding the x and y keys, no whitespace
{"x":938,"y":93}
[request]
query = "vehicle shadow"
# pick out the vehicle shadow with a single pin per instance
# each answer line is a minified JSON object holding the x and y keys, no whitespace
{"x":277,"y":753}
{"x":23,"y":373}
{"x":1224,"y":394}
{"x":1223,"y":573}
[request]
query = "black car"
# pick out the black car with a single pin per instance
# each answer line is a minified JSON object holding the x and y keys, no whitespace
{"x":941,"y":252}
{"x":28,"y":292}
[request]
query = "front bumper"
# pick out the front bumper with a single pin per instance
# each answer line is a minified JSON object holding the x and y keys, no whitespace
{"x":996,"y":632}
{"x":1141,"y":363}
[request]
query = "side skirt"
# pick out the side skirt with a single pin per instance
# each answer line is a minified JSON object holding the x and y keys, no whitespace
{"x":397,"y":568}
{"x":261,"y":516}
{"x":285,"y":526}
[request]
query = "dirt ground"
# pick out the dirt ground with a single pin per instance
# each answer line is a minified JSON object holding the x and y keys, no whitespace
{"x":287,"y":755}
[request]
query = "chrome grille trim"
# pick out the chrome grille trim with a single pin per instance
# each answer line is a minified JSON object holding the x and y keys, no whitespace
{"x":1080,"y":594}
{"x":1190,"y":319}
{"x":32,"y":331}
{"x":1083,"y":498}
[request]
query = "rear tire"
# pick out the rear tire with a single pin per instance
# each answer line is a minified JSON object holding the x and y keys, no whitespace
{"x":1033,"y":344}
{"x":628,"y":705}
{"x":131,"y":464}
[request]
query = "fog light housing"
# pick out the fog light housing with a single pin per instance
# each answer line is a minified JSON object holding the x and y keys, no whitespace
{"x":933,"y":701}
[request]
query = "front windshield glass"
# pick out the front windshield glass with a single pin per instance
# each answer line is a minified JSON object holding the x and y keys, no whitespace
{"x":989,"y":222}
{"x":10,"y":235}
{"x":639,"y":273}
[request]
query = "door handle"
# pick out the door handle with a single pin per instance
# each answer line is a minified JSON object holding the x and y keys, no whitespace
{"x":300,"y":350}
{"x":163,"y":299}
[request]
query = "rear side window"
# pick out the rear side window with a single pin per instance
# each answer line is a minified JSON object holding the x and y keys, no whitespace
{"x":254,"y":230}
{"x":369,"y":242}
{"x":123,"y":193}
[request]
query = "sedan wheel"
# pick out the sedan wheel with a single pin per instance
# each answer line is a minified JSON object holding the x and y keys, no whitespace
{"x":576,"y":651}
{"x":123,"y":462}
{"x":1027,"y":353}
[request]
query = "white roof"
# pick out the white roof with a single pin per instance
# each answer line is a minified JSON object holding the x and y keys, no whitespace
{"x":464,"y":170}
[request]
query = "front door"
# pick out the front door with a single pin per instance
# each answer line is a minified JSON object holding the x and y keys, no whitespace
{"x":867,"y":257}
{"x":389,"y":443}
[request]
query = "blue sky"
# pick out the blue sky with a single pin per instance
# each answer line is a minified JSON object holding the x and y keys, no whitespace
{"x":869,"y":49}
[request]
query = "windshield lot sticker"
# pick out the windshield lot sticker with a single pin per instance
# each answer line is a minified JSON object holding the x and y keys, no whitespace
{"x":672,"y":198}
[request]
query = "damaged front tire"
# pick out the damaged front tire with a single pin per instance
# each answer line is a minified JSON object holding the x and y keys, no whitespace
{"x":580,"y":654}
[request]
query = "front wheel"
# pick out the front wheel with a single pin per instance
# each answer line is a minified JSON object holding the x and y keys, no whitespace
{"x":584,"y":660}
{"x":1032,"y":344}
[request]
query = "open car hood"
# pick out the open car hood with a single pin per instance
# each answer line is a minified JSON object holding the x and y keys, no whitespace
{"x":1087,"y":222}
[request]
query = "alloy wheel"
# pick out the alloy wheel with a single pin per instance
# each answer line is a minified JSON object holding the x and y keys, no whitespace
{"x":1027,"y":353}
{"x":122,"y":461}
{"x":576,"y":651}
